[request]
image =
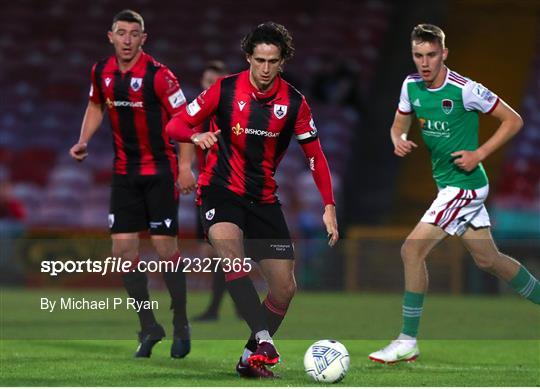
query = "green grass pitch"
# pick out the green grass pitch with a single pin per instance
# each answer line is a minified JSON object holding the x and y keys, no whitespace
{"x":466,"y":341}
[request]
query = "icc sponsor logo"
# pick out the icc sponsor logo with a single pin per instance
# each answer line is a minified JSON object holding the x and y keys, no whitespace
{"x":434,"y":127}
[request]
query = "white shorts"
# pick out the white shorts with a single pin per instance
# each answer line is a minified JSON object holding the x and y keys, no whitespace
{"x":455,"y":209}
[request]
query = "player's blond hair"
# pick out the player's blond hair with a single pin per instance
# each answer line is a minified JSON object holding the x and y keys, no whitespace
{"x":428,"y":33}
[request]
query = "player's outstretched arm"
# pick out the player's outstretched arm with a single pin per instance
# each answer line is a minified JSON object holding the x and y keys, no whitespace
{"x":510,"y":125}
{"x":91,"y":122}
{"x":398,"y":133}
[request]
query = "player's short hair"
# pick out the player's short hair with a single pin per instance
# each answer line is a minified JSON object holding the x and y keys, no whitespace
{"x":269,"y":33}
{"x":128,"y":15}
{"x":428,"y":33}
{"x":216,"y":66}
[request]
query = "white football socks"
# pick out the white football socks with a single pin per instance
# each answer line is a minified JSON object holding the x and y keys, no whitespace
{"x":263,"y":336}
{"x":405,"y":337}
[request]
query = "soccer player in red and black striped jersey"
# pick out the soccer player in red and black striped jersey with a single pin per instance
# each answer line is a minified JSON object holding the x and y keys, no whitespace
{"x":257,"y":113}
{"x":140,"y":96}
{"x":212,"y":72}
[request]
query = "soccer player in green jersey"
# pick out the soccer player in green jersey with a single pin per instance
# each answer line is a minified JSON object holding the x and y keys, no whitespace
{"x":447,"y":105}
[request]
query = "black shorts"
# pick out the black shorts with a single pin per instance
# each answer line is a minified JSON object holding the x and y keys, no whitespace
{"x":199,"y":229}
{"x":266,"y":234}
{"x":141,"y":203}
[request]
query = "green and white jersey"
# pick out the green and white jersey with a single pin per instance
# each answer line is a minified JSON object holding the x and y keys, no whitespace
{"x":448,"y":118}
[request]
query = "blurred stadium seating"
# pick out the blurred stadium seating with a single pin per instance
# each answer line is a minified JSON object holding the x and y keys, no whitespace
{"x":516,"y":206}
{"x":47,"y":55}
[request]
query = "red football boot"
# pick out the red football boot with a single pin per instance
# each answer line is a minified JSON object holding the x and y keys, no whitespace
{"x":266,"y":354}
{"x":249,"y":371}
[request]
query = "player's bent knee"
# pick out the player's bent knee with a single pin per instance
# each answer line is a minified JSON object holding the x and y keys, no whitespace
{"x":284,"y":293}
{"x":410,"y":252}
{"x":125,"y":252}
{"x":166,"y":253}
{"x":483,"y":262}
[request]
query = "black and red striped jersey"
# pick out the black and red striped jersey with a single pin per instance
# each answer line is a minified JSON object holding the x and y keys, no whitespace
{"x":139,"y":102}
{"x":256,"y":129}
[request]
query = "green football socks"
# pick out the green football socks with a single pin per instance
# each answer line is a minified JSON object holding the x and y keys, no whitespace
{"x":412,"y":310}
{"x":526,"y":285}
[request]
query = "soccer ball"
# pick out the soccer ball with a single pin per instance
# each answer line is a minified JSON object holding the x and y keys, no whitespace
{"x":326,"y":361}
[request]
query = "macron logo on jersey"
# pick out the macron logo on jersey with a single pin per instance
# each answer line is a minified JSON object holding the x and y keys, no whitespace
{"x":241,"y":105}
{"x":416,"y":103}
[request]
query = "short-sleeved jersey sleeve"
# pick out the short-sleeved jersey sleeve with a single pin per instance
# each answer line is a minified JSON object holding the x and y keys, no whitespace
{"x":477,"y":97}
{"x":404,"y":105}
{"x":203,"y":106}
{"x":304,"y":128}
{"x":94,"y":94}
{"x":168,"y":90}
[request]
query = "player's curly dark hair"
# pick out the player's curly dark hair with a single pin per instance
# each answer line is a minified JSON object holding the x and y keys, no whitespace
{"x":428,"y":33}
{"x":128,"y":15}
{"x":269,"y":33}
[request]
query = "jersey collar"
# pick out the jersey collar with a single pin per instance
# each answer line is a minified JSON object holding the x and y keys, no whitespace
{"x":444,"y":82}
{"x":139,"y":65}
{"x":262,"y":96}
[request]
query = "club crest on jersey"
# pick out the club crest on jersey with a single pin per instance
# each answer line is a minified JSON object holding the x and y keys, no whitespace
{"x":280,"y":110}
{"x":447,"y":106}
{"x":136,"y":83}
{"x":210,"y":214}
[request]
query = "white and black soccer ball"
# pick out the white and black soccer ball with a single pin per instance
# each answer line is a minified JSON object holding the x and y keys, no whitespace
{"x":326,"y":361}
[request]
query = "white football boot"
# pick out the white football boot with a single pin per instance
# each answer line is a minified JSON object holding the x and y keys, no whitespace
{"x":399,"y":350}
